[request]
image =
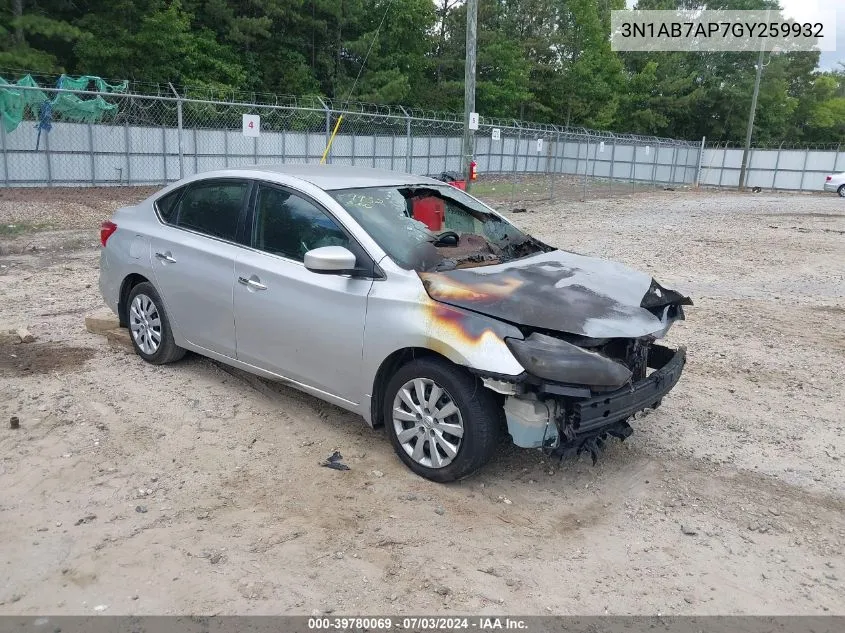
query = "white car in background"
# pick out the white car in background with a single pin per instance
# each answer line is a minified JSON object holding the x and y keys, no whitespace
{"x":835,"y":182}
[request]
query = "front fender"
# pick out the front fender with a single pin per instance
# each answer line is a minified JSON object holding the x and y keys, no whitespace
{"x":402,"y":315}
{"x":470,"y":339}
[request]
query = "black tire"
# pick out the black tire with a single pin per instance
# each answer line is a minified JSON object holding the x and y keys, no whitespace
{"x":167,"y":351}
{"x":481,"y":416}
{"x":841,"y":191}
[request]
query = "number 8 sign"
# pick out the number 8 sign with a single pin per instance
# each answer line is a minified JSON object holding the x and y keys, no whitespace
{"x":251,"y":124}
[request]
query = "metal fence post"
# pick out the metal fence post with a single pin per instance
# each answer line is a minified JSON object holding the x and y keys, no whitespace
{"x":5,"y":157}
{"x":127,"y":153}
{"x":612,"y":163}
{"x":804,"y":168}
{"x":700,"y":158}
{"x":179,"y":132}
{"x":674,"y":164}
{"x":91,"y":154}
{"x":554,"y":165}
{"x":577,"y":155}
{"x":515,"y":161}
{"x":328,"y":133}
{"x":777,"y":163}
{"x":328,"y":129}
{"x":501,"y":151}
{"x":196,"y":151}
{"x":722,"y":167}
{"x":164,"y":153}
{"x":586,"y":167}
{"x":49,"y":160}
{"x":255,"y":150}
{"x":748,"y":166}
{"x":654,"y":165}
{"x":408,"y":140}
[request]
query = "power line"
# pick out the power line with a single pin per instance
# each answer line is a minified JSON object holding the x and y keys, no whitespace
{"x":372,"y":43}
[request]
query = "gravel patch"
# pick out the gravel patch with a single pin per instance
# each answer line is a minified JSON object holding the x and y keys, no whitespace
{"x":190,"y":488}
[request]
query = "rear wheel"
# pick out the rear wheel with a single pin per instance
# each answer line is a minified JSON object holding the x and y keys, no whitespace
{"x":442,"y":423}
{"x":841,"y":191}
{"x":149,"y":327}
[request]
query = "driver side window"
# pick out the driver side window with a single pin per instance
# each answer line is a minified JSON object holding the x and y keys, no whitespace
{"x":289,"y":225}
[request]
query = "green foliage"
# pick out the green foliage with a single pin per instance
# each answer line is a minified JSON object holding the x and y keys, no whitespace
{"x":542,"y":60}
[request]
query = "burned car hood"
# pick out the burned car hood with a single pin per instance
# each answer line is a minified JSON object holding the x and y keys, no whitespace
{"x":563,"y":292}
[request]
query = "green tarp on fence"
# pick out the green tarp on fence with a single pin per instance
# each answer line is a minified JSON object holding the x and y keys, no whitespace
{"x":15,"y":102}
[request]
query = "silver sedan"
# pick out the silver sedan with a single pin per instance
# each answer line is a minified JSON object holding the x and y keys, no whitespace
{"x":398,"y":297}
{"x":835,"y":183}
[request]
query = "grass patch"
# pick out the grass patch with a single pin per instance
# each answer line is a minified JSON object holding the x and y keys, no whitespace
{"x":13,"y":229}
{"x":500,"y":188}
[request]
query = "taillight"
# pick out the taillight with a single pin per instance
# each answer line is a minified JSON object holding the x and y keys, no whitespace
{"x":106,"y":230}
{"x":828,"y":178}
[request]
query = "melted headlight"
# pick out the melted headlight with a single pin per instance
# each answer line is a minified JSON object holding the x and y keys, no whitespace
{"x":553,"y":359}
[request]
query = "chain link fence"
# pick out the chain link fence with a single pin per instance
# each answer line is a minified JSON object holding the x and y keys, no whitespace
{"x":155,"y":139}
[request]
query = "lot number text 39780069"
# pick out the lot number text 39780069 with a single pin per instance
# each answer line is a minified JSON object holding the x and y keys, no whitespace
{"x":479,"y":623}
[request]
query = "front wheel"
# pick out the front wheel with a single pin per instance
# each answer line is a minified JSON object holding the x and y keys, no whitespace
{"x":442,"y":423}
{"x":841,"y":191}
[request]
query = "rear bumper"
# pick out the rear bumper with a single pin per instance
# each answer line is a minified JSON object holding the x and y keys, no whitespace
{"x":594,"y":414}
{"x":107,"y":282}
{"x":832,"y":186}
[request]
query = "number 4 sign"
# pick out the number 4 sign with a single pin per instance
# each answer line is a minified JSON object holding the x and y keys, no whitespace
{"x":251,"y":124}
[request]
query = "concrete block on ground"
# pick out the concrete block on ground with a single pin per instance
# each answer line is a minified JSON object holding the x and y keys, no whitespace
{"x":24,"y":335}
{"x":9,"y":337}
{"x":119,"y":336}
{"x":101,"y":321}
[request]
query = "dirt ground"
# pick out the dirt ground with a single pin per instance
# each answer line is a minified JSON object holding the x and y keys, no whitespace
{"x":193,"y":489}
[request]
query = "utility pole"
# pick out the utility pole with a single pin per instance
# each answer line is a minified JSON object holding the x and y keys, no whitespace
{"x":750,"y":130}
{"x":469,"y":85}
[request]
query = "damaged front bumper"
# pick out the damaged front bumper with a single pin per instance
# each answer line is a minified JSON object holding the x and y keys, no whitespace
{"x":564,"y":419}
{"x":607,"y":408}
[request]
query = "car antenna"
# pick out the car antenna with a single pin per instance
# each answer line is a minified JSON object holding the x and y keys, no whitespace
{"x":355,"y":83}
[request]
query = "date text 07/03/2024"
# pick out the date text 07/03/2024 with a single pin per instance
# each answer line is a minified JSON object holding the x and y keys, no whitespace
{"x":480,"y":623}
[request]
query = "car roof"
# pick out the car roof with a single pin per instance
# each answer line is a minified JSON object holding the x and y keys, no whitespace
{"x":329,"y":177}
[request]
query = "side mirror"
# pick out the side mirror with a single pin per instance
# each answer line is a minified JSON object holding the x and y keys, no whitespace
{"x":331,"y":260}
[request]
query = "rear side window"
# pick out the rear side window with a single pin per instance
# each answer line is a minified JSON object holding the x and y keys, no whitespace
{"x":212,"y":208}
{"x":166,"y":205}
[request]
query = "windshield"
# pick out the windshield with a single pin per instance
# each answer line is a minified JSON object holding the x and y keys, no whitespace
{"x":435,"y":227}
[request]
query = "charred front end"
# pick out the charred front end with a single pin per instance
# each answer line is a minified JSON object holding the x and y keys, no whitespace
{"x":589,"y":346}
{"x":571,"y":397}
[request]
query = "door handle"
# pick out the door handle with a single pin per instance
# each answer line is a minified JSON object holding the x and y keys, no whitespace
{"x":253,"y":282}
{"x":166,"y":257}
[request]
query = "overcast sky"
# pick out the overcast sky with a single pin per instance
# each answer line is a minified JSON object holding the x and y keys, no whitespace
{"x":797,"y":9}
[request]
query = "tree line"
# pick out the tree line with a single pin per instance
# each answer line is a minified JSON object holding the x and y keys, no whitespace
{"x":541,"y":60}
